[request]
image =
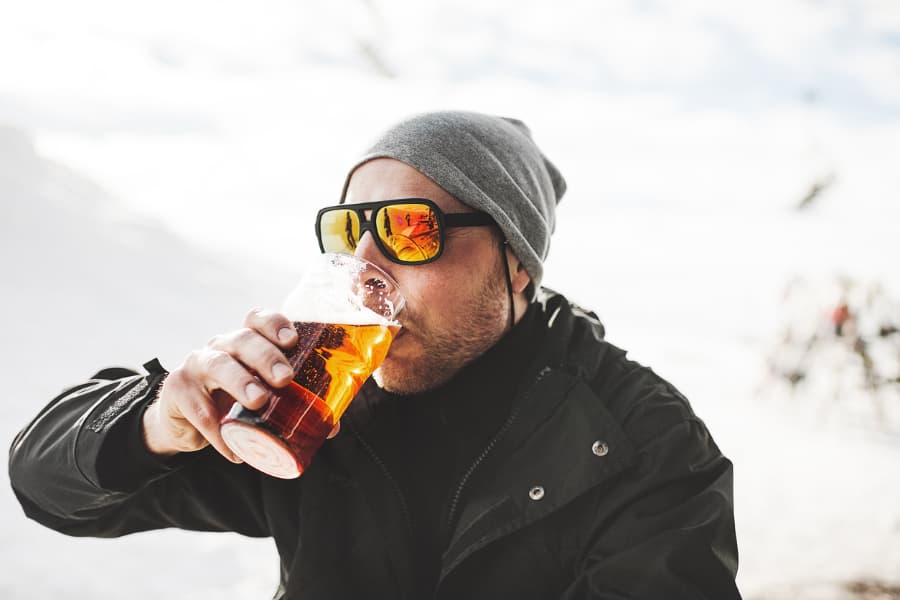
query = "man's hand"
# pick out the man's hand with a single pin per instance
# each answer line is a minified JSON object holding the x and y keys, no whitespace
{"x":195,"y":396}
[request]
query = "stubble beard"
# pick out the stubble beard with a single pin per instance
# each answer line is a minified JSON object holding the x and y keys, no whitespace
{"x":448,"y":347}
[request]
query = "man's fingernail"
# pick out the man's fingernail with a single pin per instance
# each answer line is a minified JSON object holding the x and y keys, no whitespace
{"x":286,"y":334}
{"x":255,"y":392}
{"x":236,"y":459}
{"x":281,"y":371}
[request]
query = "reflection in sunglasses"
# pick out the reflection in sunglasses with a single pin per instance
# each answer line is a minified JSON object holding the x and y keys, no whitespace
{"x":406,"y":249}
{"x":351,"y":235}
{"x":411,"y":232}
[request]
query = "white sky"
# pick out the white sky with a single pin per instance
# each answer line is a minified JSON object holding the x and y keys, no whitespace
{"x":188,"y":111}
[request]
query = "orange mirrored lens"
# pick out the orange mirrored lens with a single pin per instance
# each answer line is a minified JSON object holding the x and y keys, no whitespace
{"x":339,"y":229}
{"x":409,"y":231}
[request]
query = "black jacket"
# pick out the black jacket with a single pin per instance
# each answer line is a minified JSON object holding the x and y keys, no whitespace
{"x":600,"y":483}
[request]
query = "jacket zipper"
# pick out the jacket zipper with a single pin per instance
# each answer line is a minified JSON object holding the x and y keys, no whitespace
{"x":462,"y":484}
{"x":465,"y":478}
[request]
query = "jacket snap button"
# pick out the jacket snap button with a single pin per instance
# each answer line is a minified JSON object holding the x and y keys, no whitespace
{"x":600,"y":448}
{"x":536,"y":493}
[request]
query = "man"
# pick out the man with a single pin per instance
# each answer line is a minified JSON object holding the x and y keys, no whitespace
{"x":502,"y":450}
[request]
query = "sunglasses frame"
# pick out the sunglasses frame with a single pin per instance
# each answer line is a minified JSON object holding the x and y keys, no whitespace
{"x":444,"y":220}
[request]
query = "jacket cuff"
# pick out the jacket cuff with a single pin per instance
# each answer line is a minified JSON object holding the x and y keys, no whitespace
{"x":122,"y":462}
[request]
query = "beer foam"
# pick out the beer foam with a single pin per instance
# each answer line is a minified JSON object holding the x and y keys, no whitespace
{"x":369,"y":317}
{"x":342,"y":289}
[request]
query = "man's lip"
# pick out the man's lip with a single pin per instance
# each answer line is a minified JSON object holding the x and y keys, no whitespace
{"x":402,"y":332}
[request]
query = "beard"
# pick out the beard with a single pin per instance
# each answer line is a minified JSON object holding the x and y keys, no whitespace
{"x":445,"y":345}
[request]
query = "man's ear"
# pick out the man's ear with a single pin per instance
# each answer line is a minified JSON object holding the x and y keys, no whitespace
{"x":517,"y":273}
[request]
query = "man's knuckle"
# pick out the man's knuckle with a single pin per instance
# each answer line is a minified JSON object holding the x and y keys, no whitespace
{"x":192,"y":362}
{"x":253,"y":315}
{"x":215,"y":360}
{"x":244,"y":336}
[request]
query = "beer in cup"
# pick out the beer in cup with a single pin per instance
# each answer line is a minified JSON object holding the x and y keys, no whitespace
{"x":344,"y":310}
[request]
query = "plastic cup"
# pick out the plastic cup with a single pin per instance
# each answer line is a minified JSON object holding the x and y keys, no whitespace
{"x":344,"y":310}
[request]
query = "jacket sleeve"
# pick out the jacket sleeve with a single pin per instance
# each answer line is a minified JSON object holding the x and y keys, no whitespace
{"x":81,"y":468}
{"x":672,"y":535}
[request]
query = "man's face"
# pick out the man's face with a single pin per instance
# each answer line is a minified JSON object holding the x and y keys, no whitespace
{"x":456,"y":306}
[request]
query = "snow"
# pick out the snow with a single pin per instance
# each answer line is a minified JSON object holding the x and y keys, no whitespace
{"x":185,"y":149}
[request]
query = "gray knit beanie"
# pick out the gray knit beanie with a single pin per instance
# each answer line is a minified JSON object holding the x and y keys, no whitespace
{"x":488,"y":163}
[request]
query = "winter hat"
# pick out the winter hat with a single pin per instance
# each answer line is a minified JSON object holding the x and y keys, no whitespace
{"x":488,"y":163}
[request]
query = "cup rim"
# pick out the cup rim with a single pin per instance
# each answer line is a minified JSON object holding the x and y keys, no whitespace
{"x":338,"y":258}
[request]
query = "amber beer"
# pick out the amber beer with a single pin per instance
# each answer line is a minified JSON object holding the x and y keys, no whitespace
{"x":331,"y":361}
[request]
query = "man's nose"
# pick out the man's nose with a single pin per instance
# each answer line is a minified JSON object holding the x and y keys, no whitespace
{"x":367,"y":249}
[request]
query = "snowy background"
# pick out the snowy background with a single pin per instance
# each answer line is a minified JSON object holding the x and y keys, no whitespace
{"x":161,"y":164}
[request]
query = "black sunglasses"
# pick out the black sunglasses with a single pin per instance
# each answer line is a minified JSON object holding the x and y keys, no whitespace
{"x":408,"y":231}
